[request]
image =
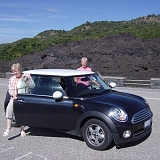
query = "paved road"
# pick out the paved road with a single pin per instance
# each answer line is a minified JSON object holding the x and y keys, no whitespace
{"x":45,"y":144}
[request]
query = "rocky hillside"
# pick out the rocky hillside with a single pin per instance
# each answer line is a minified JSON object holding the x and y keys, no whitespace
{"x":115,"y":55}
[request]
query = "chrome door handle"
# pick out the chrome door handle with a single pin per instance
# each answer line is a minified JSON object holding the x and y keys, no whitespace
{"x":20,"y":100}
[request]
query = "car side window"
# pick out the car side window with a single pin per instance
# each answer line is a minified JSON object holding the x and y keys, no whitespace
{"x":47,"y":85}
{"x":25,"y":84}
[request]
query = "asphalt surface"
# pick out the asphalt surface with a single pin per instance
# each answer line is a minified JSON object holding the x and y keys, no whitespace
{"x":45,"y":144}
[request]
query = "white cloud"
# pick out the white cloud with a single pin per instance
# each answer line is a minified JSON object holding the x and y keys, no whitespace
{"x":52,"y":10}
{"x":16,"y":19}
{"x":89,"y":9}
{"x":58,"y":16}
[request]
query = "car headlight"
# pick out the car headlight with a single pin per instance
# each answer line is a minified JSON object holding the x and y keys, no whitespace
{"x":118,"y":114}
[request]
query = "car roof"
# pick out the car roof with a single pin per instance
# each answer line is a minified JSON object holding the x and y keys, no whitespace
{"x":58,"y":72}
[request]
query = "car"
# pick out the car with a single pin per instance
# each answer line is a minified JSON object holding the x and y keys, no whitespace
{"x":96,"y":112}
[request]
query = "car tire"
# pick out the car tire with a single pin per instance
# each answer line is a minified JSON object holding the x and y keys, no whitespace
{"x":97,"y":135}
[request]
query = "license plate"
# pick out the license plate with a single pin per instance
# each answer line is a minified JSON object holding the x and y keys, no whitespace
{"x":147,"y":123}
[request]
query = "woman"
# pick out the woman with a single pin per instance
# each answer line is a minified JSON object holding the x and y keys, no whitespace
{"x":84,"y":82}
{"x":14,"y":88}
{"x":84,"y":67}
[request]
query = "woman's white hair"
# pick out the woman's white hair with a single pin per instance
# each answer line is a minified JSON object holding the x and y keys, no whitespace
{"x":16,"y":66}
{"x":84,"y":59}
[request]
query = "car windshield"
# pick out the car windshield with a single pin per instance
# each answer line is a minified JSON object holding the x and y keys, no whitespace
{"x":89,"y":85}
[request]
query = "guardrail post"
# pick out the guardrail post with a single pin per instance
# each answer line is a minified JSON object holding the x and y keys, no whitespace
{"x":9,"y":74}
{"x":118,"y":80}
{"x":155,"y":83}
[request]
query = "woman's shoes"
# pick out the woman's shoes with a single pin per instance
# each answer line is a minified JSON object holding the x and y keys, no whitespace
{"x":23,"y":134}
{"x":6,"y":132}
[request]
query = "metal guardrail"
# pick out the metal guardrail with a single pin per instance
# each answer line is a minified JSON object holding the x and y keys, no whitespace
{"x":2,"y":75}
{"x":137,"y":83}
{"x":153,"y":83}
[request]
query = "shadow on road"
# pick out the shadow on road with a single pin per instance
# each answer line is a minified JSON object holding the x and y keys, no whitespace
{"x":45,"y":132}
{"x":33,"y":131}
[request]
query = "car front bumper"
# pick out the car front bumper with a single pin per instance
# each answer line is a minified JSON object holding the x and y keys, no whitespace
{"x":138,"y":131}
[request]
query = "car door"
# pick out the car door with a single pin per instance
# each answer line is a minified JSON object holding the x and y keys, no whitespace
{"x":40,"y":109}
{"x":44,"y":111}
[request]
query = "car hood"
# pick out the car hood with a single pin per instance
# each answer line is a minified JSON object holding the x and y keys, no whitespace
{"x":129,"y":102}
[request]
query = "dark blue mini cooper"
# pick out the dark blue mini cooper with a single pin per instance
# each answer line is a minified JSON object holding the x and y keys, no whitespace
{"x":81,"y":103}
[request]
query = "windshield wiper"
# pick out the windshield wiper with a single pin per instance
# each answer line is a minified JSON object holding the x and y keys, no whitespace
{"x":104,"y":91}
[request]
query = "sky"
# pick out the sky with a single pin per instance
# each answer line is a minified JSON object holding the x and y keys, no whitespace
{"x":27,"y":18}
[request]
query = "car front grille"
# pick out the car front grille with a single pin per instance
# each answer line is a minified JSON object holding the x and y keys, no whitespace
{"x":142,"y":132}
{"x":141,"y":116}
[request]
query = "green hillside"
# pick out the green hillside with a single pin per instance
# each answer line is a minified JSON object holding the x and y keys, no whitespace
{"x":143,"y":27}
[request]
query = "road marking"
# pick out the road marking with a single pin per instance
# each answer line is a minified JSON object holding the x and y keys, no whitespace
{"x":137,"y":91}
{"x":2,"y":145}
{"x":24,"y":156}
{"x":30,"y":154}
{"x":4,"y":150}
{"x":153,"y":98}
{"x":42,"y":156}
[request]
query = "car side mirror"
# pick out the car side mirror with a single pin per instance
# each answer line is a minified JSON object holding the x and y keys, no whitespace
{"x":57,"y":95}
{"x":112,"y":85}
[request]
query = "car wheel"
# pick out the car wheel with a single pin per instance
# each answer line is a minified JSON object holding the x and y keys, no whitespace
{"x":97,"y":135}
